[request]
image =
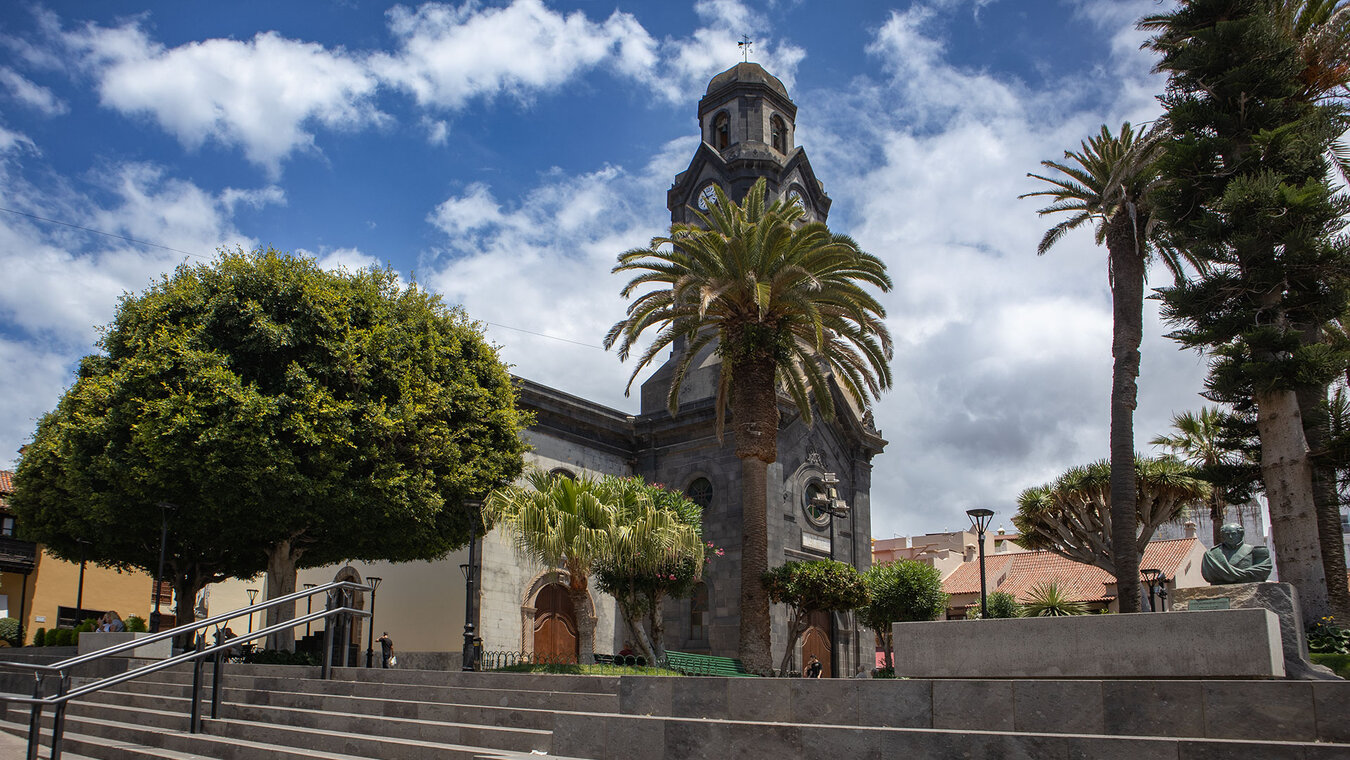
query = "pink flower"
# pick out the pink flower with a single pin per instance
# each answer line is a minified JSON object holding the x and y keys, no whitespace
{"x":720,"y":552}
{"x":672,"y":577}
{"x":710,"y":544}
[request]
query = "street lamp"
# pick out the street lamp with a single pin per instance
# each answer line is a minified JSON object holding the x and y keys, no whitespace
{"x":370,"y":640}
{"x":164,"y":509}
{"x":469,"y":657}
{"x":309,"y":605}
{"x":79,"y":590}
{"x":252,"y":595}
{"x":979,"y":520}
{"x":827,"y":502}
{"x":1156,"y":578}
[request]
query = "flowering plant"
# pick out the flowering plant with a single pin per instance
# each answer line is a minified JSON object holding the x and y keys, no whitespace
{"x":1325,"y":637}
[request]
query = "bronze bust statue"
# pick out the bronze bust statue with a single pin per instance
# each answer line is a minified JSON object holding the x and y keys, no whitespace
{"x":1233,"y":561}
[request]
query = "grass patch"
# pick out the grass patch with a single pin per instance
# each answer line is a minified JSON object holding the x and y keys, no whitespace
{"x":1340,"y":663}
{"x":587,"y":670}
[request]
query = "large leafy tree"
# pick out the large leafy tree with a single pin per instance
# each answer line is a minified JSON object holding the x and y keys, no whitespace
{"x":784,"y":301}
{"x":900,"y":592}
{"x":807,"y":587}
{"x":1072,"y":516}
{"x":1247,"y":190}
{"x":1108,"y":183}
{"x":294,"y":417}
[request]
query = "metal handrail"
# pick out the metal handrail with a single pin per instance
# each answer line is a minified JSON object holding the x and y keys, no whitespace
{"x":199,"y":652}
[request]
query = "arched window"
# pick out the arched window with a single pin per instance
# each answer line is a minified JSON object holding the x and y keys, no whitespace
{"x":698,"y":613}
{"x":700,"y":492}
{"x":562,"y":472}
{"x":721,"y":131}
{"x":778,"y":134}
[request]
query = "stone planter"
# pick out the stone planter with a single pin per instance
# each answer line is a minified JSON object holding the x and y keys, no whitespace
{"x":93,"y":641}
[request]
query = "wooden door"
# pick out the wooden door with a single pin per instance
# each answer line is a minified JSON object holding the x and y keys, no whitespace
{"x":555,"y":626}
{"x":816,"y":641}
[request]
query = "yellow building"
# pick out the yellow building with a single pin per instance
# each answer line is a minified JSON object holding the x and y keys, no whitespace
{"x":42,"y":591}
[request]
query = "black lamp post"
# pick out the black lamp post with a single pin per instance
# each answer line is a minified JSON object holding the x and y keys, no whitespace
{"x":979,"y":520}
{"x":829,"y":503}
{"x":370,"y":638}
{"x":164,"y":509}
{"x":252,"y":595}
{"x":309,"y":604}
{"x":469,"y":657}
{"x":1155,"y":578}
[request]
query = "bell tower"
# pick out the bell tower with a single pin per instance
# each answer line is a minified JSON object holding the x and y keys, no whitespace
{"x":748,"y":126}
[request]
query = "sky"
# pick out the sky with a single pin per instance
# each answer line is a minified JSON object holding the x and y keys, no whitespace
{"x":503,"y":154}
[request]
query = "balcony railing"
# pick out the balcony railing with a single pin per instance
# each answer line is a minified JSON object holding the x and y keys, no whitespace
{"x":17,"y":556}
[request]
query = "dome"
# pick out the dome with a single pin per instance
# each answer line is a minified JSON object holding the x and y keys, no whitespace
{"x":746,"y":72}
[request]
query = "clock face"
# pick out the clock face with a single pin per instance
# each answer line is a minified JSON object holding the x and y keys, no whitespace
{"x":707,"y":198}
{"x":794,"y":198}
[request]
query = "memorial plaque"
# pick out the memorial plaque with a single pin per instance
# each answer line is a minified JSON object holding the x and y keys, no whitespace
{"x":1217,"y":603}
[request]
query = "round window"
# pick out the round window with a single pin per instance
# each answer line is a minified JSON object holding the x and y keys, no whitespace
{"x":815,"y":504}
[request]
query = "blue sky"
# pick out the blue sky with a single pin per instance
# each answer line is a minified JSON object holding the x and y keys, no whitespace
{"x":504,"y":153}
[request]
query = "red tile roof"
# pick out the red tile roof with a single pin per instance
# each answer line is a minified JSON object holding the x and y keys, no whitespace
{"x":1018,"y":572}
{"x":6,"y":487}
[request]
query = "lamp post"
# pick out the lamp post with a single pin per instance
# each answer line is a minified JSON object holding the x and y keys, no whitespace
{"x":830,"y":504}
{"x":309,"y":605}
{"x":164,"y":509}
{"x":370,"y":639}
{"x":468,"y":658}
{"x":979,"y":520}
{"x":1154,"y":578}
{"x":252,"y":595}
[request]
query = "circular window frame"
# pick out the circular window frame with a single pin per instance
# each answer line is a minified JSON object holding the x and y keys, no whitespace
{"x":813,"y":517}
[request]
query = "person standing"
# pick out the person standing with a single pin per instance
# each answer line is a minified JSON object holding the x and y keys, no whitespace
{"x":386,"y":649}
{"x":813,"y":668}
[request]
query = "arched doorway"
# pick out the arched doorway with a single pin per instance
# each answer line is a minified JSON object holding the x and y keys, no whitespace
{"x":816,"y":641}
{"x":555,"y":625}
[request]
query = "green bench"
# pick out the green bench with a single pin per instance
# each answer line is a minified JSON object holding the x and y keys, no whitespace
{"x":706,"y":665}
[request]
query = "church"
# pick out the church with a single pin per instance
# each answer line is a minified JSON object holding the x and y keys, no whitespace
{"x":747,"y":122}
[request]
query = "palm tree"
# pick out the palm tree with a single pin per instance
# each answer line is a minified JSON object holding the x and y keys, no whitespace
{"x":783,"y":302}
{"x":1047,"y":599}
{"x":1107,"y":184}
{"x":1198,"y":441}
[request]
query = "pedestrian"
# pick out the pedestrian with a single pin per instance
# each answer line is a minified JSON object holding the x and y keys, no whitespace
{"x":386,"y":650}
{"x":813,"y":668}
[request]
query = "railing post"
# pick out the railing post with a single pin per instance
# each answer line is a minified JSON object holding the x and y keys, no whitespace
{"x":215,"y":686}
{"x":345,"y":631}
{"x":59,"y":718}
{"x":35,"y":722}
{"x":195,"y":718}
{"x":327,"y":648}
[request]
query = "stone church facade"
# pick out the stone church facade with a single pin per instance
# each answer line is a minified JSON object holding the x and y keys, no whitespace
{"x":748,"y":126}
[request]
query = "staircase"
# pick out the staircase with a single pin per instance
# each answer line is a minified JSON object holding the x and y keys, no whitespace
{"x":289,"y":713}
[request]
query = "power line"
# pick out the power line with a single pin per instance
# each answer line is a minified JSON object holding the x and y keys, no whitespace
{"x":101,"y":232}
{"x":202,"y":256}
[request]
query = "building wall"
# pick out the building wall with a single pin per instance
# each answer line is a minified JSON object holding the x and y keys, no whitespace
{"x":55,"y":583}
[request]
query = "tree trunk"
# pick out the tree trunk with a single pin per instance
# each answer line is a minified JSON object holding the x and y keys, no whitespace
{"x":795,"y":628}
{"x":1216,"y":510}
{"x":1287,"y":473}
{"x":754,"y":408}
{"x":281,"y":562}
{"x":1127,"y":299}
{"x":585,"y":625}
{"x":658,"y":628}
{"x":1312,"y":405}
{"x":888,"y":644}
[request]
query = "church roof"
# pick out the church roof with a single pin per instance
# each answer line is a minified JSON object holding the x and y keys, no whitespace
{"x":746,"y":72}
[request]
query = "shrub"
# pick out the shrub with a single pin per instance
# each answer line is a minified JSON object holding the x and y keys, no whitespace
{"x":1001,"y":605}
{"x":1047,"y":600}
{"x":40,"y":637}
{"x":9,"y":631}
{"x":88,"y":625}
{"x":1325,"y":637}
{"x":60,"y":637}
{"x":135,"y":624}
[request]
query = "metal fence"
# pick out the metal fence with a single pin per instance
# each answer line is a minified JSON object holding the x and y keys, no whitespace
{"x":500,"y":660}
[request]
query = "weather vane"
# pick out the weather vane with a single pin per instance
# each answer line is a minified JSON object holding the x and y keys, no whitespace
{"x":744,"y":45}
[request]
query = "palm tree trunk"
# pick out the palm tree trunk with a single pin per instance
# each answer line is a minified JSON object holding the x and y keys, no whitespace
{"x":1127,"y":300}
{"x":1312,"y":405}
{"x":754,"y":409}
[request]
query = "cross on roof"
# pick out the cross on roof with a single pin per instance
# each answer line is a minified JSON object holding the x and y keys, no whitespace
{"x":744,"y":45}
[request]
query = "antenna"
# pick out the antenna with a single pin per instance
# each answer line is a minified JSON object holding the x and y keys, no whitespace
{"x":744,"y":45}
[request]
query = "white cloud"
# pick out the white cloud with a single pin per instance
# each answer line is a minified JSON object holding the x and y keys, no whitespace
{"x":11,"y":141}
{"x":33,"y":95}
{"x":265,"y":95}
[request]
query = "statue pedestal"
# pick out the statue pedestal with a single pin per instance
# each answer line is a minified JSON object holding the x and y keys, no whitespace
{"x":1279,"y":598}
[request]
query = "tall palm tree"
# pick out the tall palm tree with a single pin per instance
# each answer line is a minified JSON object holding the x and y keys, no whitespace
{"x":1107,"y":184}
{"x":1198,"y":441}
{"x":783,"y":301}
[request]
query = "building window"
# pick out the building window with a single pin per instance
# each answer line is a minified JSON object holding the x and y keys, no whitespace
{"x":700,"y":492}
{"x":778,"y":134}
{"x":811,"y":496}
{"x":7,"y":526}
{"x":721,"y":131}
{"x":698,"y":613}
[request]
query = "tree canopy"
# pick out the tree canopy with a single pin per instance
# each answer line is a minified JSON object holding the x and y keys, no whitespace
{"x":807,"y":587}
{"x":292,"y":416}
{"x":900,"y":592}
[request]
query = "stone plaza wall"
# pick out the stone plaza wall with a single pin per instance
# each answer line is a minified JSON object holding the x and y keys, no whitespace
{"x":1238,"y":643}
